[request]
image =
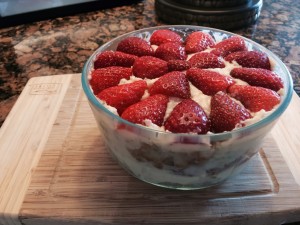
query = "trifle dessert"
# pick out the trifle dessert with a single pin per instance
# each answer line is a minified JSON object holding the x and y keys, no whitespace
{"x":185,"y":107}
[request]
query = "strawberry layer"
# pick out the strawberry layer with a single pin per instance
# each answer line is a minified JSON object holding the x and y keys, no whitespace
{"x":197,"y":95}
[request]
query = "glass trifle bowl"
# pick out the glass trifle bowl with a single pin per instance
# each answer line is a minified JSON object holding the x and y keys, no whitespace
{"x":182,"y":161}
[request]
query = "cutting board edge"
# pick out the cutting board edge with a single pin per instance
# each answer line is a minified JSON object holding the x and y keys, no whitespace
{"x":21,"y":167}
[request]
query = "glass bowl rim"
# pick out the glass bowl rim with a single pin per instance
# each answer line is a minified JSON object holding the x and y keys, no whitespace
{"x":266,"y":120}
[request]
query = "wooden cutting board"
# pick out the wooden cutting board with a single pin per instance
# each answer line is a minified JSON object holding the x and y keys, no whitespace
{"x":54,"y":169}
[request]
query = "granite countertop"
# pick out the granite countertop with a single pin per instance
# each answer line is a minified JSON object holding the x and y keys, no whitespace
{"x":62,"y":45}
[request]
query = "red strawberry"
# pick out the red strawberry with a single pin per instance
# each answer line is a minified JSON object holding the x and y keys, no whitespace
{"x":123,"y":95}
{"x":250,"y":59}
{"x":206,"y":60}
{"x":209,"y":82}
{"x":188,"y":117}
{"x":178,"y":65}
{"x":254,"y":98}
{"x":135,"y":46}
{"x":198,"y":41}
{"x":225,"y":113}
{"x":149,"y":67}
{"x":103,"y":78}
{"x":169,"y":51}
{"x":174,"y":84}
{"x":229,"y":45}
{"x":152,"y":108}
{"x":163,"y":36}
{"x":114,"y":58}
{"x":258,"y":77}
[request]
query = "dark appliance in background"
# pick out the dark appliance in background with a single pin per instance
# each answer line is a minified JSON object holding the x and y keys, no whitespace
{"x":222,"y":14}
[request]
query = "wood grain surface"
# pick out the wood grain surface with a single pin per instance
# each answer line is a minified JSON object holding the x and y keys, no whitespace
{"x":56,"y":170}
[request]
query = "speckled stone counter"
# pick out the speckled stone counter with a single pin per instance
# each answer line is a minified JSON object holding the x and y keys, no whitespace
{"x":62,"y":45}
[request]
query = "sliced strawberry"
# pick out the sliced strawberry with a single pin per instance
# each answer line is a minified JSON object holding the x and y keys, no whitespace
{"x":123,"y":95}
{"x":225,"y":113}
{"x":169,"y":51}
{"x":178,"y":65}
{"x":258,"y":77}
{"x":209,"y":82}
{"x":135,"y":46}
{"x":198,"y":41}
{"x":149,"y":67}
{"x":103,"y":78}
{"x":152,"y":108}
{"x":173,"y":84}
{"x":188,"y":117}
{"x":254,"y":98}
{"x":229,"y":45}
{"x":114,"y":58}
{"x":206,"y":60}
{"x":163,"y":36}
{"x":250,"y":59}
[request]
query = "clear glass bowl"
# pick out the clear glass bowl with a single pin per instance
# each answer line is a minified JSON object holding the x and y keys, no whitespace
{"x":182,"y":161}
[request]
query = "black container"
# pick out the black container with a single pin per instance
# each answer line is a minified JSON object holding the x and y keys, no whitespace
{"x":234,"y":16}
